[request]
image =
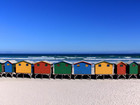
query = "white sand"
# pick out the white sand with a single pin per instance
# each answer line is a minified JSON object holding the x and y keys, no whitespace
{"x":67,"y":92}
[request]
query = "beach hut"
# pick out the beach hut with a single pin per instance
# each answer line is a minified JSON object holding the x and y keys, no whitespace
{"x":2,"y":62}
{"x":138,"y":68}
{"x":9,"y":67}
{"x":133,"y":69}
{"x":62,"y":68}
{"x":42,"y":68}
{"x":82,"y":68}
{"x":24,"y":67}
{"x":121,"y":69}
{"x":104,"y":68}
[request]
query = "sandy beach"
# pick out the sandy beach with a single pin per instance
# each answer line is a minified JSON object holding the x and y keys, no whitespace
{"x":19,"y":91}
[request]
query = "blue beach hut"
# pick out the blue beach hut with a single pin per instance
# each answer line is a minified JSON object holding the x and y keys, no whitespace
{"x":9,"y":67}
{"x":82,"y":68}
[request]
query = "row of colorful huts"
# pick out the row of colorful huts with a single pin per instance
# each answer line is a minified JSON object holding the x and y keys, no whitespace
{"x":66,"y":68}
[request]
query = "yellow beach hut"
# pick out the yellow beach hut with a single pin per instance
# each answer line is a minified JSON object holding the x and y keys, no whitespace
{"x":24,"y":67}
{"x":104,"y":68}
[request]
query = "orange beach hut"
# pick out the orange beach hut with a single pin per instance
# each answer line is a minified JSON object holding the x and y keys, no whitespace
{"x":24,"y":67}
{"x":104,"y":68}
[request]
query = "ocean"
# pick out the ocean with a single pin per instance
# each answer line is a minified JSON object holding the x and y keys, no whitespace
{"x":93,"y":58}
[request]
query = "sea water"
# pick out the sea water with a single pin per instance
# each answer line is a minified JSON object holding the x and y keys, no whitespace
{"x":93,"y":58}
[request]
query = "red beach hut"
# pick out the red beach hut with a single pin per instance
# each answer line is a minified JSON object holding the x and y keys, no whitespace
{"x":42,"y":68}
{"x":121,"y":69}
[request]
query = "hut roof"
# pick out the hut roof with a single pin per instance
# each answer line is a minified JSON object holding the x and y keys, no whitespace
{"x":83,"y":62}
{"x":120,"y":62}
{"x":11,"y":61}
{"x":44,"y":62}
{"x":63,"y":61}
{"x":24,"y":61}
{"x":129,"y":62}
{"x":32,"y":62}
{"x":104,"y":61}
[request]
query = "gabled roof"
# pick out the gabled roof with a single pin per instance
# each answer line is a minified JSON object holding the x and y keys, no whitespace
{"x":24,"y":61}
{"x":64,"y":61}
{"x":29,"y":61}
{"x":129,"y":62}
{"x":102,"y":62}
{"x":83,"y":62}
{"x":11,"y":61}
{"x":43,"y":61}
{"x":120,"y":62}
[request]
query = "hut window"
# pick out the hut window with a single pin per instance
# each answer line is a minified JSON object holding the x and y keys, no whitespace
{"x":86,"y":65}
{"x":38,"y":65}
{"x":133,"y":65}
{"x":108,"y":65}
{"x":66,"y":65}
{"x":26,"y":64}
{"x":19,"y":64}
{"x":58,"y":64}
{"x":121,"y":65}
{"x":8,"y":64}
{"x":99,"y":65}
{"x":78,"y":65}
{"x":46,"y":65}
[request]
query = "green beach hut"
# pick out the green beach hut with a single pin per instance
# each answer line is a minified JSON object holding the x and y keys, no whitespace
{"x":2,"y":67}
{"x":133,"y":69}
{"x":62,"y":68}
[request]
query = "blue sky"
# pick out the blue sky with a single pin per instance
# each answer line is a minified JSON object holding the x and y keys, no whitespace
{"x":70,"y":26}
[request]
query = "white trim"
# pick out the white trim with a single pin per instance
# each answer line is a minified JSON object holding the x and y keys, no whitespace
{"x":43,"y":61}
{"x":92,"y":69}
{"x":83,"y":61}
{"x":63,"y":61}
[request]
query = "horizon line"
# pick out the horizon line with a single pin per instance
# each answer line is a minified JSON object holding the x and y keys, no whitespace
{"x":70,"y":53}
